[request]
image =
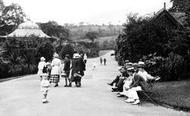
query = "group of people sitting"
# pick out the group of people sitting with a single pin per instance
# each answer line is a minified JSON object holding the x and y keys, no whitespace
{"x":132,"y":79}
{"x":70,"y":69}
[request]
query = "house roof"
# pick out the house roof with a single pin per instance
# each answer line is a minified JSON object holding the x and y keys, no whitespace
{"x":27,"y":29}
{"x":177,"y":18}
{"x":180,"y":17}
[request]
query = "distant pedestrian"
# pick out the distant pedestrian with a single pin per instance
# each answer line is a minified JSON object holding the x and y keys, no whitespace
{"x":94,"y":65}
{"x":105,"y":61}
{"x":101,"y":60}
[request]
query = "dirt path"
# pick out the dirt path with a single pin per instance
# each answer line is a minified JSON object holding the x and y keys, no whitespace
{"x":21,"y":97}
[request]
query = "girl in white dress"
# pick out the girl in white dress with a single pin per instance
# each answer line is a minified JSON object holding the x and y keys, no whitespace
{"x":41,"y":66}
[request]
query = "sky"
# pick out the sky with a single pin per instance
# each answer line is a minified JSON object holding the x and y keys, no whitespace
{"x":88,"y":11}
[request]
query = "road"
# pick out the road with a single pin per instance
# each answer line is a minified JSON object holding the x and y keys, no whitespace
{"x":22,"y":97}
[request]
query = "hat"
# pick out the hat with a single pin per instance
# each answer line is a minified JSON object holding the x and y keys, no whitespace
{"x":42,"y":59}
{"x":126,"y":61}
{"x":76,"y":55}
{"x":141,"y":64}
{"x":55,"y":55}
{"x":130,"y":69}
{"x":119,"y":68}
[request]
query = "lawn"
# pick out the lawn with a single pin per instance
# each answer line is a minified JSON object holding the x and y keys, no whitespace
{"x":175,"y":94}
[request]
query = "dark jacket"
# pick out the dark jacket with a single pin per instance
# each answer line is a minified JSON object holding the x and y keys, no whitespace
{"x":67,"y":65}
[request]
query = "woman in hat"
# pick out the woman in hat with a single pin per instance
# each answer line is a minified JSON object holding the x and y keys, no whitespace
{"x":41,"y":66}
{"x":55,"y":71}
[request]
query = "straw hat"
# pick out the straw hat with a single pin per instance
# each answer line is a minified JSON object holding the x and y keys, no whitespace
{"x":76,"y":55}
{"x":42,"y":59}
{"x":55,"y":55}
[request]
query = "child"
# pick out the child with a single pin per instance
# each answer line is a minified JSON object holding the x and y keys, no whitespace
{"x":45,"y":87}
{"x":41,"y":66}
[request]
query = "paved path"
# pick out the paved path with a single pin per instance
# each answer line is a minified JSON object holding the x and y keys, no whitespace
{"x":21,"y":97}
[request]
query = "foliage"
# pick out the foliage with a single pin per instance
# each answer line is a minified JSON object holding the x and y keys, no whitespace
{"x":12,"y":16}
{"x":46,"y":50}
{"x":53,"y":29}
{"x":164,"y":50}
{"x":67,"y":49}
{"x":182,"y":6}
{"x":22,"y":55}
{"x":92,"y":36}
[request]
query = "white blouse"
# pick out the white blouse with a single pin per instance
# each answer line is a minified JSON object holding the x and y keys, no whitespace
{"x":56,"y":63}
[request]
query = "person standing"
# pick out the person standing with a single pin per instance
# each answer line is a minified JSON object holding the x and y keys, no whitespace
{"x":101,"y":60}
{"x":55,"y":72}
{"x":104,"y":61}
{"x":66,"y":69}
{"x":85,"y":58}
{"x":41,"y":66}
{"x":77,"y":68}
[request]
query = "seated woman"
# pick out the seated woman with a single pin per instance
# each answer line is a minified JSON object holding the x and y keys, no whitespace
{"x":139,"y":81}
{"x":119,"y":80}
{"x":127,"y":82}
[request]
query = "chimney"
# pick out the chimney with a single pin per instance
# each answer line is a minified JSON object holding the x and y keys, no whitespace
{"x":164,"y":5}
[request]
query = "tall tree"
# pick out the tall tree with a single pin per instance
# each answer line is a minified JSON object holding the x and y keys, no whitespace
{"x":12,"y":16}
{"x":182,"y":6}
{"x":51,"y":28}
{"x":92,"y":36}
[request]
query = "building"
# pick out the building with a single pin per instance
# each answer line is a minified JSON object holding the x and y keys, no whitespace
{"x":28,"y":29}
{"x":170,"y":20}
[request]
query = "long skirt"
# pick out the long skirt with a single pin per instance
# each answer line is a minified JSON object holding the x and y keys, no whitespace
{"x":54,"y":79}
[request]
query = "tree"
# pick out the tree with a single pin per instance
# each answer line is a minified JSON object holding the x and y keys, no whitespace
{"x":182,"y":6}
{"x":2,"y":6}
{"x":51,"y":28}
{"x":67,"y":49}
{"x":12,"y":16}
{"x":91,"y":36}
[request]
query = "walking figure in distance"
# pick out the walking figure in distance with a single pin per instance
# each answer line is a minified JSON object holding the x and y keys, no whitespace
{"x":104,"y":61}
{"x":101,"y":60}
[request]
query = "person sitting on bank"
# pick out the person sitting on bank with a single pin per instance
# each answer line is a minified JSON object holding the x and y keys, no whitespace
{"x":119,"y":80}
{"x":140,"y":79}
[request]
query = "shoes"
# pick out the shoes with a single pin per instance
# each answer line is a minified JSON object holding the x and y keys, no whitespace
{"x":114,"y":90}
{"x":120,"y":95}
{"x":44,"y":101}
{"x":129,"y":100}
{"x":79,"y":84}
{"x":69,"y":85}
{"x":56,"y":85}
{"x":66,"y":86}
{"x":157,"y":78}
{"x":110,"y":84}
{"x":136,"y":102}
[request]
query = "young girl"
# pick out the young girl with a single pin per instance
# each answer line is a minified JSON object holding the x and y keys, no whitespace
{"x":45,"y":87}
{"x":41,"y":66}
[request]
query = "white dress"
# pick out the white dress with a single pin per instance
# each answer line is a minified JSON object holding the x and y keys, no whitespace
{"x":56,"y":63}
{"x":40,"y":67}
{"x":45,"y":86}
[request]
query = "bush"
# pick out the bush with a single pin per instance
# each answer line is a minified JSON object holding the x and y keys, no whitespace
{"x":169,"y":69}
